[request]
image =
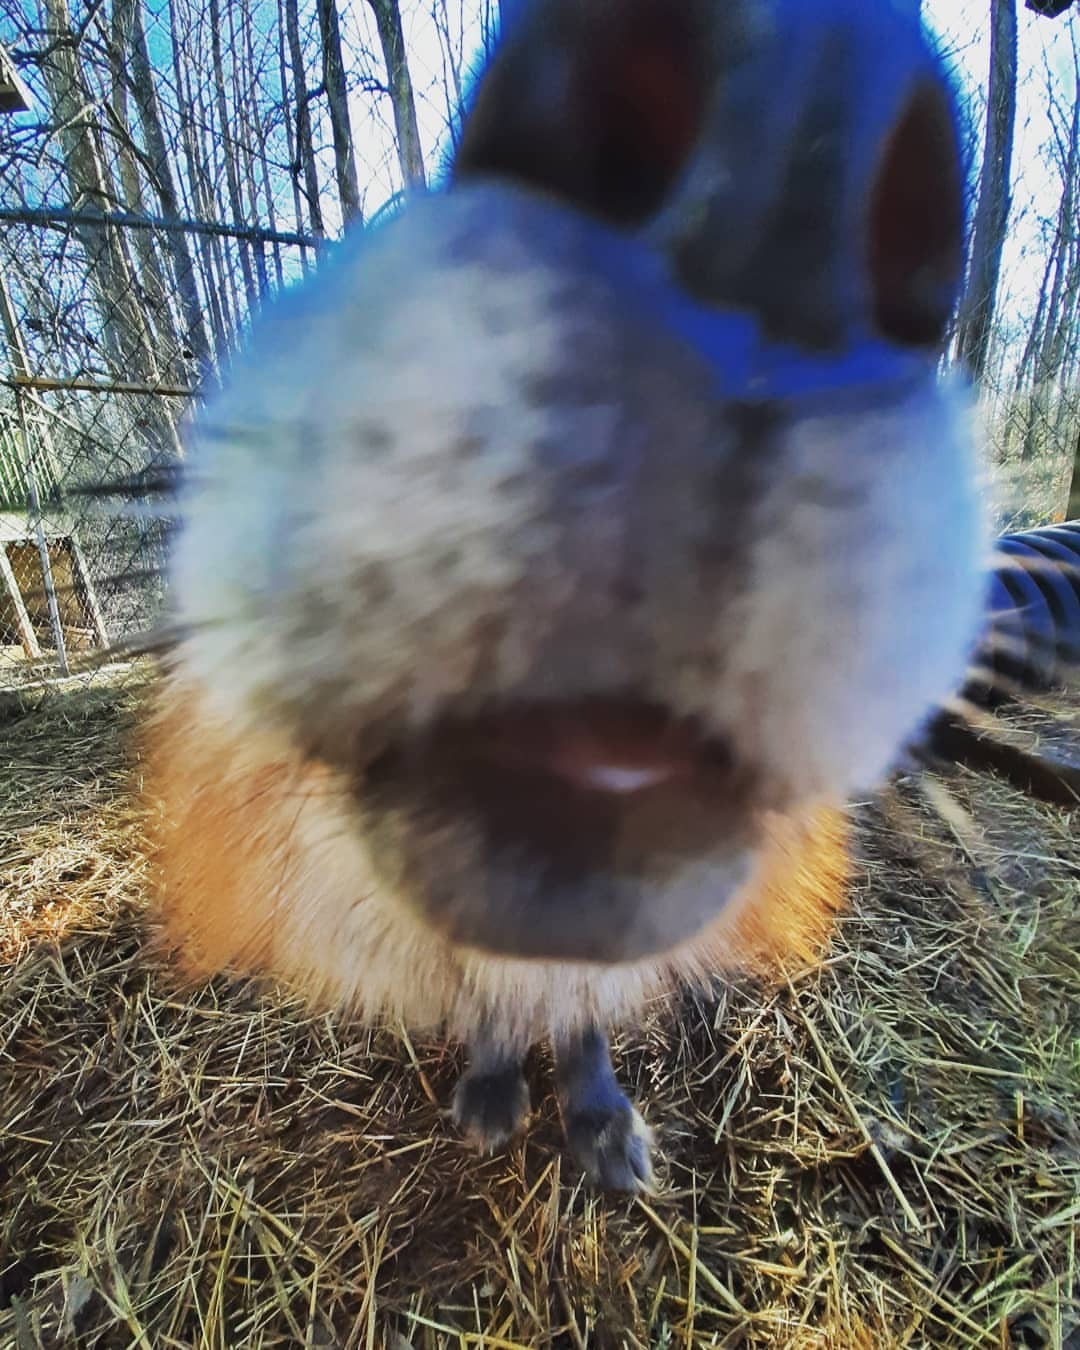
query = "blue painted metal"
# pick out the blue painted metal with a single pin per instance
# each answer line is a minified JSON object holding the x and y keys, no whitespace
{"x":1033,"y":633}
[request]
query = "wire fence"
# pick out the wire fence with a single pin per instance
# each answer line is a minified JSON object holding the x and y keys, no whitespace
{"x":178,"y":163}
{"x":182,"y":160}
{"x":96,"y":386}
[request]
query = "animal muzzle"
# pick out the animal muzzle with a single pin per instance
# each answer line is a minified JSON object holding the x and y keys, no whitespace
{"x":602,"y":831}
{"x":583,"y":515}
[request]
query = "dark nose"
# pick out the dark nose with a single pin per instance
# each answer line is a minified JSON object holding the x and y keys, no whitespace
{"x":795,"y":158}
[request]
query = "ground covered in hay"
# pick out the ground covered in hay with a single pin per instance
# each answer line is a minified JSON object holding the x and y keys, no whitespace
{"x":885,"y":1153}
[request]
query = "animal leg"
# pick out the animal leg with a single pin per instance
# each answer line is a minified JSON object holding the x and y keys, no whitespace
{"x":491,"y":1100}
{"x":607,"y":1137}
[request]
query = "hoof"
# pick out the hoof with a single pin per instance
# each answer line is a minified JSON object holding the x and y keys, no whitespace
{"x":490,"y":1108}
{"x":612,"y":1147}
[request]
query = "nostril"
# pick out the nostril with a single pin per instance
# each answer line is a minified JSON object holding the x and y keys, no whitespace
{"x":599,"y":104}
{"x":916,"y":224}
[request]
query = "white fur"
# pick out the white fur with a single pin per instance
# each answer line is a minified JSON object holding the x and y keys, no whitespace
{"x":345,"y":552}
{"x":866,"y":592}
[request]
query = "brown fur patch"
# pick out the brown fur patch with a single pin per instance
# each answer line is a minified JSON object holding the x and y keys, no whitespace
{"x":223,"y":812}
{"x":258,"y":871}
{"x":798,"y":890}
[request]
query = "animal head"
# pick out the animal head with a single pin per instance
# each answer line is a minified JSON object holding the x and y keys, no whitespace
{"x":609,"y":500}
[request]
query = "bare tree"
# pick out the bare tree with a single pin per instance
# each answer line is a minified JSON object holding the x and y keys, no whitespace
{"x":1045,"y":358}
{"x":257,"y":157}
{"x":399,"y":82}
{"x":219,"y":169}
{"x":452,"y":56}
{"x":229,"y":145}
{"x":194,"y":180}
{"x":111,"y":275}
{"x":975,"y":324}
{"x":490,"y":20}
{"x":247,"y":130}
{"x":156,"y":287}
{"x":303,"y":160}
{"x":1072,"y":508}
{"x":160,"y":171}
{"x":338,"y":102}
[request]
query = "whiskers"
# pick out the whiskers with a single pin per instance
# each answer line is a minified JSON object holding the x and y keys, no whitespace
{"x":157,"y":480}
{"x":160,"y":641}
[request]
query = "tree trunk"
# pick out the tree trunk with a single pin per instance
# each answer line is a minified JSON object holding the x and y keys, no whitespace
{"x":229,"y":152}
{"x":194,"y":181}
{"x":246,"y":134}
{"x":399,"y":82}
{"x":305,"y":152}
{"x":156,"y":289}
{"x":490,"y":22}
{"x":161,"y":176}
{"x":263,"y":186}
{"x":1072,"y":511}
{"x":290,"y":131}
{"x":992,"y":211}
{"x":338,"y":100}
{"x":124,"y":333}
{"x":212,"y":141}
{"x":452,"y":59}
{"x":1057,"y":307}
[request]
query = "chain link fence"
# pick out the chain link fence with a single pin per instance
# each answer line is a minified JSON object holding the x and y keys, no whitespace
{"x":99,"y":376}
{"x":97,"y":384}
{"x":177,"y":164}
{"x":181,"y":160}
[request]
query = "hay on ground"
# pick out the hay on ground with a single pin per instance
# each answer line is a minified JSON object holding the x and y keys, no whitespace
{"x":885,"y":1153}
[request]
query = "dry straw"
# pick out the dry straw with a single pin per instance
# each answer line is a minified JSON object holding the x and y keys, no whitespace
{"x":884,"y":1153}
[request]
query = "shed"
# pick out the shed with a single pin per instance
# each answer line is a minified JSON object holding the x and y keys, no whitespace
{"x":14,"y":95}
{"x":47,"y":595}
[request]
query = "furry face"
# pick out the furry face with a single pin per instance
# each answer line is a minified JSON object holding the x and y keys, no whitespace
{"x":572,"y":550}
